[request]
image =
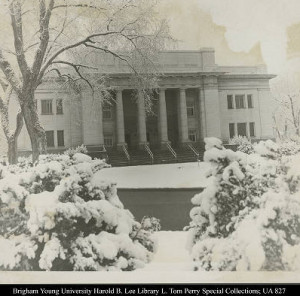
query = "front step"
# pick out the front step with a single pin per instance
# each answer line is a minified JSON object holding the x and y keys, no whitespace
{"x":141,"y":157}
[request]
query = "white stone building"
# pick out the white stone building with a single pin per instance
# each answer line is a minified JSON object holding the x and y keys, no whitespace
{"x":196,"y":99}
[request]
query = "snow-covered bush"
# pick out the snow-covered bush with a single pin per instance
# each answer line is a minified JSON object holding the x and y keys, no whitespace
{"x":289,"y":147}
{"x":79,"y":149}
{"x":243,"y":144}
{"x":249,"y":214}
{"x":55,"y":216}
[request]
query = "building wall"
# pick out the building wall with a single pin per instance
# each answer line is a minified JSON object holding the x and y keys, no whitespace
{"x":260,"y":114}
{"x":212,"y":107}
{"x":55,"y":122}
{"x":266,"y":104}
{"x":207,"y":86}
{"x":239,"y":115}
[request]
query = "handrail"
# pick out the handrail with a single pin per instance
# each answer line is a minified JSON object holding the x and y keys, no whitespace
{"x":194,"y":150}
{"x":126,"y":152}
{"x":171,"y":150}
{"x":147,"y":148}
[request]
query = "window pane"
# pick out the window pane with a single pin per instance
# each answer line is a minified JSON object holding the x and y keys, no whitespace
{"x":59,"y":106}
{"x":46,"y":106}
{"x":190,"y":108}
{"x":252,"y":129}
{"x":231,"y":130}
{"x":230,"y":102}
{"x":107,"y":114}
{"x":60,"y":139}
{"x":108,"y":141}
{"x":50,"y":138}
{"x":241,"y":129}
{"x":107,"y":111}
{"x":250,"y":101}
{"x":190,"y":111}
{"x":192,"y":136}
{"x":239,"y":101}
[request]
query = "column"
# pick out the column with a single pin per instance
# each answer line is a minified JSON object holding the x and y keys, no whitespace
{"x":213,"y":114}
{"x":142,"y":133}
{"x":202,"y":119}
{"x":163,"y":124}
{"x":183,"y":122}
{"x":120,"y":120}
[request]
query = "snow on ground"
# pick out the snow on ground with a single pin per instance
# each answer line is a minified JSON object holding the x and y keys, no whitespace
{"x":171,"y":264}
{"x":171,"y":252}
{"x":178,"y":175}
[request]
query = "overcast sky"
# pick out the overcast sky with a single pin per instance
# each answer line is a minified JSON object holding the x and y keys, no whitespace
{"x":258,"y":31}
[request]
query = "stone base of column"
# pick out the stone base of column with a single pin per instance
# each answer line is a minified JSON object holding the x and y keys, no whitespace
{"x":120,"y":146}
{"x":141,"y":145}
{"x":163,"y":145}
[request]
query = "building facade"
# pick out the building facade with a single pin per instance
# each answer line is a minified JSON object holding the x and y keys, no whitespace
{"x":196,"y":99}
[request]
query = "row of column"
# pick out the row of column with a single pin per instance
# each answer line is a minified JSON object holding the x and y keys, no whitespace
{"x":163,"y":125}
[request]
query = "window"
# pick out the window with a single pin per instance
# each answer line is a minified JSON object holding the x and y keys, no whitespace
{"x":59,"y":106}
{"x":107,"y":111}
{"x":252,"y":129}
{"x":108,"y":141}
{"x":240,"y":101}
{"x":231,"y":130}
{"x":250,"y":101}
{"x":241,"y":129}
{"x":190,"y":108}
{"x":230,"y":101}
{"x":46,"y":107}
{"x":192,"y":135}
{"x":60,"y":139}
{"x":50,"y":138}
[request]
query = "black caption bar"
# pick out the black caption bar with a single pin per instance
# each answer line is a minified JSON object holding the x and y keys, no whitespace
{"x":149,"y":290}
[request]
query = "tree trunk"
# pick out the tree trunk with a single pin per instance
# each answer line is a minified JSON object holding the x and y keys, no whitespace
{"x":36,"y":132}
{"x":12,"y":152}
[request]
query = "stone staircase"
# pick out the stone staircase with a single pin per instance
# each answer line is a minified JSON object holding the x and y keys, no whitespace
{"x":96,"y":152}
{"x":141,"y":157}
{"x":117,"y":158}
{"x":163,"y":156}
{"x":185,"y":155}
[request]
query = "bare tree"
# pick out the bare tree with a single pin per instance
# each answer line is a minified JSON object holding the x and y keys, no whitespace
{"x":286,"y":116}
{"x":11,"y":135}
{"x":56,"y":33}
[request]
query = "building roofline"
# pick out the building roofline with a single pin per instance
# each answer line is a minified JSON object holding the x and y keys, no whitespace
{"x":203,"y":49}
{"x":249,"y":76}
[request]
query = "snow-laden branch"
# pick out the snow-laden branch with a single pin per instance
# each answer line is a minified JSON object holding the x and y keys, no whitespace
{"x":9,"y":73}
{"x":77,"y":67}
{"x":79,"y":6}
{"x":17,"y":26}
{"x":74,"y":45}
{"x":45,"y":14}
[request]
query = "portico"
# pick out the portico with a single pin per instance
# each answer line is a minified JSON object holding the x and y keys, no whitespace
{"x":135,"y":127}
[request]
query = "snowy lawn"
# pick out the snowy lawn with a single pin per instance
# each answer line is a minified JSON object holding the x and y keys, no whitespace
{"x":171,"y":264}
{"x":178,"y":175}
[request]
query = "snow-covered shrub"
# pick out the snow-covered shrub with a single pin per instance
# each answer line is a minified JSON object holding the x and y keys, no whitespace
{"x":243,"y":144}
{"x":249,"y":213}
{"x":289,"y":147}
{"x":66,"y":219}
{"x":79,"y":149}
{"x":151,"y":224}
